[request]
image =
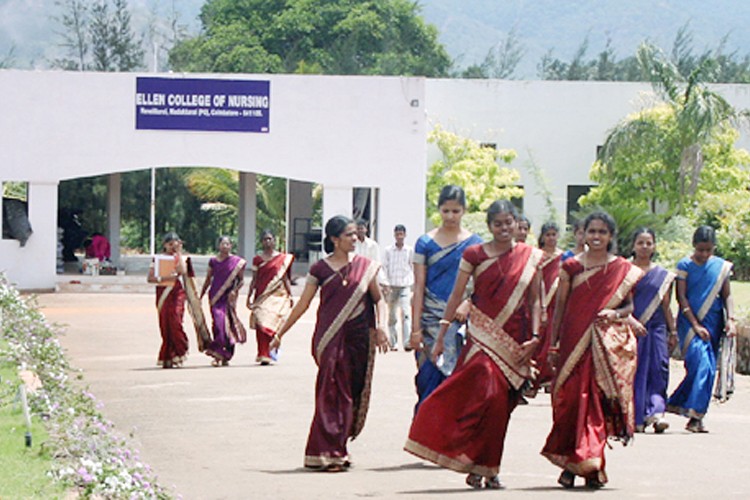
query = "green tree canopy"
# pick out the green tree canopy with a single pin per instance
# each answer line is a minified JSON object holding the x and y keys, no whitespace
{"x":474,"y":167}
{"x":354,"y":37}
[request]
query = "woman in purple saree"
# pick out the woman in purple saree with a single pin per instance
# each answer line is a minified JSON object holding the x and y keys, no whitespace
{"x":225,"y":278}
{"x":653,"y":319}
{"x":344,"y":344}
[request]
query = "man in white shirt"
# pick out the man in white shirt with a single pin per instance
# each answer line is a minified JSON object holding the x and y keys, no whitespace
{"x":397,"y":278}
{"x":366,"y":246}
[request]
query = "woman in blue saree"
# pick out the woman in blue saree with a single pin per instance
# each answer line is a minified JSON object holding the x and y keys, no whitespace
{"x":704,"y":295}
{"x":437,"y":256}
{"x":653,"y":321}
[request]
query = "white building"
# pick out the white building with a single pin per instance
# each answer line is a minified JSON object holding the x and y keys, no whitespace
{"x":340,"y":131}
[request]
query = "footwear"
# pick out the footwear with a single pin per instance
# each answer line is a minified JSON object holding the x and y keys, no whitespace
{"x":215,"y":362}
{"x":661,"y":425}
{"x":696,"y":425}
{"x":567,"y":479}
{"x":474,"y":480}
{"x":493,"y":483}
{"x":594,"y":483}
{"x":522,"y":401}
{"x":334,"y":468}
{"x":407,"y":347}
{"x":640,"y":428}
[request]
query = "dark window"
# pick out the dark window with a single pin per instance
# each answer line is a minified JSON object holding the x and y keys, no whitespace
{"x":574,"y":193}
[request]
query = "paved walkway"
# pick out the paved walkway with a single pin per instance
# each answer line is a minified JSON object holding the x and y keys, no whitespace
{"x":239,"y":432}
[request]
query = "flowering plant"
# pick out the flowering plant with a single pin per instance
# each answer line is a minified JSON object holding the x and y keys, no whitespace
{"x":88,"y":453}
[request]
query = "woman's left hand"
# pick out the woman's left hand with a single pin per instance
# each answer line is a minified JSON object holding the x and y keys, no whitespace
{"x":730,"y":328}
{"x":638,"y":329}
{"x":528,"y":349}
{"x":607,"y":315}
{"x":462,"y":312}
{"x":381,"y":340}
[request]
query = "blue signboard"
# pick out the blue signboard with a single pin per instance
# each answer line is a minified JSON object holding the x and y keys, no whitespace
{"x":202,"y":104}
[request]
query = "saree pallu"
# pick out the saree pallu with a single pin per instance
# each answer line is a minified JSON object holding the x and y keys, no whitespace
{"x":225,"y":286}
{"x":170,"y":305}
{"x":592,"y":398}
{"x":441,"y":265}
{"x":344,"y":350}
{"x":652,"y":374}
{"x":550,"y":268}
{"x":462,"y":424}
{"x":272,"y":302}
{"x":703,"y":286}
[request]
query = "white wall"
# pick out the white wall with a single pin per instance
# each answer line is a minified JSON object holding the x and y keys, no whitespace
{"x":558,"y":124}
{"x":339,"y":131}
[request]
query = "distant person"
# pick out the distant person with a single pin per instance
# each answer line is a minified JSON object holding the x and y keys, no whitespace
{"x":270,"y":296}
{"x":463,"y":423}
{"x":225,"y":277}
{"x":397,"y":278}
{"x":98,"y":247}
{"x":344,"y":346}
{"x":591,"y":342}
{"x":171,"y":297}
{"x":652,"y":316}
{"x":706,"y":315}
{"x":437,"y":256}
{"x":550,"y":266}
{"x":366,"y":246}
{"x":578,"y":238}
{"x":522,"y":229}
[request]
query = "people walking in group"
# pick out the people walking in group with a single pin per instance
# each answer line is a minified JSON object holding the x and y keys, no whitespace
{"x":225,"y":277}
{"x":550,"y":266}
{"x":593,"y":350}
{"x":462,"y":424}
{"x":270,"y":296}
{"x":437,"y":255}
{"x":397,"y":278}
{"x":652,"y":315}
{"x":348,"y":330}
{"x":706,"y":315}
{"x":523,"y":226}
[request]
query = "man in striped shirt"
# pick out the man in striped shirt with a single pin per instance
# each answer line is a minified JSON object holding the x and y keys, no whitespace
{"x":397,"y":278}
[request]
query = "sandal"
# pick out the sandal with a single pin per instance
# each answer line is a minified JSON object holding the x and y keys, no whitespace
{"x":493,"y":483}
{"x":661,"y":425}
{"x":334,"y":468}
{"x":594,"y":483}
{"x":696,"y":425}
{"x":567,"y":479}
{"x":474,"y":480}
{"x":215,"y":362}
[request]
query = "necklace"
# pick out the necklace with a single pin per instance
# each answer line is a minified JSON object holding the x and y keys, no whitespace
{"x":344,"y":277}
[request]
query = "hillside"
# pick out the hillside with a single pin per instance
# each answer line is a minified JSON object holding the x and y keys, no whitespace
{"x":468,"y":28}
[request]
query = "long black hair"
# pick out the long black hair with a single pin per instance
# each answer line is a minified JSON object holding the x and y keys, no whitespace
{"x":609,"y":221}
{"x":547,"y":226}
{"x":334,"y":227}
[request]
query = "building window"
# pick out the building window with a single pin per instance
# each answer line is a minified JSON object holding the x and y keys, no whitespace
{"x":518,"y":202}
{"x":16,"y":211}
{"x":574,"y":194}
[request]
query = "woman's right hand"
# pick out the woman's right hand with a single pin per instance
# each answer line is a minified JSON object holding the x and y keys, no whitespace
{"x":415,"y":340}
{"x":552,"y":357}
{"x":275,"y":342}
{"x":437,"y":349}
{"x":703,"y":333}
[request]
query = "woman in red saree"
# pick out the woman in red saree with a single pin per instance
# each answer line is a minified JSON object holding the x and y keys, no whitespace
{"x":225,"y":277}
{"x":550,"y":268}
{"x":594,"y":352}
{"x":462,"y":424}
{"x":272,"y":292}
{"x":344,"y":343}
{"x":171,"y":298}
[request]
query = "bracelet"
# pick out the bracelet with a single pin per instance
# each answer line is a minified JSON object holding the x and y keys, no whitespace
{"x":534,"y":335}
{"x":553,"y":348}
{"x":444,"y":322}
{"x":685,"y":310}
{"x":673,"y":333}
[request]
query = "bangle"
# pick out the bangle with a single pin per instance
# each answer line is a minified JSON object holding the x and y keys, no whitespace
{"x":685,"y":310}
{"x":534,"y":335}
{"x":444,"y":321}
{"x":617,"y":315}
{"x":730,"y":318}
{"x":158,"y":279}
{"x":553,"y":348}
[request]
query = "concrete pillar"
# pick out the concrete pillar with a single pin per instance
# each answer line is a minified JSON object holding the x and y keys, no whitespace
{"x":247,"y":222}
{"x":114,"y":190}
{"x":299,"y":214}
{"x":37,"y":266}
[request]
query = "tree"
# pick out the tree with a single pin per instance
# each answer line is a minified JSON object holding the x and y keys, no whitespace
{"x":472,"y":166}
{"x":347,"y":37}
{"x":75,"y":35}
{"x":502,"y":59}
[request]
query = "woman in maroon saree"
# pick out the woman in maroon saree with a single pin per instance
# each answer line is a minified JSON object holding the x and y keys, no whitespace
{"x":462,"y":424}
{"x":550,"y":268}
{"x":225,"y":277}
{"x":270,"y":295}
{"x":171,"y":298}
{"x":595,"y":358}
{"x":343,"y":346}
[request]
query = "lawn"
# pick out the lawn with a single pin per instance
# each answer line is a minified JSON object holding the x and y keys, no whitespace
{"x":23,"y":471}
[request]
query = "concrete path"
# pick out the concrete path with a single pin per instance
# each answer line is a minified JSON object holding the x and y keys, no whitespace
{"x":239,"y":432}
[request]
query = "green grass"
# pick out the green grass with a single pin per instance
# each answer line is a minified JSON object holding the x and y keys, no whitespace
{"x":23,"y":471}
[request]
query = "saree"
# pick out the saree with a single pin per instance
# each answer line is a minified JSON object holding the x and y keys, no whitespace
{"x":592,"y":398}
{"x":343,"y":347}
{"x":225,"y":286}
{"x":272,"y":302}
{"x":462,"y":424}
{"x":652,"y":374}
{"x":550,"y":268}
{"x":170,"y":306}
{"x":703,"y":291}
{"x":441,"y":270}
